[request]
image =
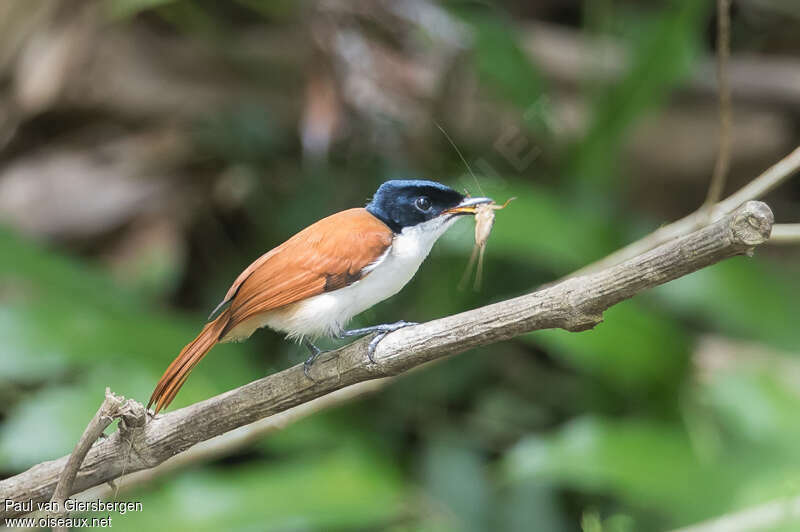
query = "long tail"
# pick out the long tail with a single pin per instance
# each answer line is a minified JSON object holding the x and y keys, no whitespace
{"x":177,"y":372}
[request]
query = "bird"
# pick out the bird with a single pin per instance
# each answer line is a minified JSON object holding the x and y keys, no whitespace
{"x":314,"y":283}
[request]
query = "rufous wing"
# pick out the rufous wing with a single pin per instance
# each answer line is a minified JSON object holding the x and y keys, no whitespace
{"x":325,"y":256}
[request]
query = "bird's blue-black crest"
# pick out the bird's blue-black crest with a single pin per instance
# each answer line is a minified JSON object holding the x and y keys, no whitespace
{"x":408,"y":202}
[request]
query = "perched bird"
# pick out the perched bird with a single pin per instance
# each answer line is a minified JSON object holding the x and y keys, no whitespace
{"x":315,"y":282}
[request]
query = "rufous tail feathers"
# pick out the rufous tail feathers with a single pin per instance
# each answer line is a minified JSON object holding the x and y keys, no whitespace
{"x":177,"y":372}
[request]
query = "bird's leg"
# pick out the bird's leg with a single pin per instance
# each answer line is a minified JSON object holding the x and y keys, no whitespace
{"x":382,"y":331}
{"x":315,"y":352}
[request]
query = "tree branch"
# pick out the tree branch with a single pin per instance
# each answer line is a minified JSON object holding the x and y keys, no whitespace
{"x":720,"y":174}
{"x":785,"y":234}
{"x":575,"y":304}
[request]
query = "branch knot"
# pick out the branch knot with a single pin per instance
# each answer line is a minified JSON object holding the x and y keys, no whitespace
{"x":752,"y":223}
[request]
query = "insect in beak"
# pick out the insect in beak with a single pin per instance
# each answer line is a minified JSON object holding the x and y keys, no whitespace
{"x":469,"y":206}
{"x":484,"y":221}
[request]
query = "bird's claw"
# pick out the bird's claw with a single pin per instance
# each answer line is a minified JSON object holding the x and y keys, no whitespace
{"x":373,"y":344}
{"x":315,"y":352}
{"x":382,"y":331}
{"x":307,"y":368}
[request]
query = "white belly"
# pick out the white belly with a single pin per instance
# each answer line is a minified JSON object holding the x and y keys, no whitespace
{"x":327,"y":314}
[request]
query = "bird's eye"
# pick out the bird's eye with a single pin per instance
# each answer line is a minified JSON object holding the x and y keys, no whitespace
{"x":423,"y":203}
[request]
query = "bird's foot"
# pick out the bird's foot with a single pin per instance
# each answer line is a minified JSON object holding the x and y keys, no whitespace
{"x":381,"y":330}
{"x":315,"y":352}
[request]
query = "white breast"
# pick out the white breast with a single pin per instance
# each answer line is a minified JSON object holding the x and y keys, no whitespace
{"x":328,"y":313}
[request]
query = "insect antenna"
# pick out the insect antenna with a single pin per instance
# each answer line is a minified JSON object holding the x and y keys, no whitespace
{"x":461,"y":156}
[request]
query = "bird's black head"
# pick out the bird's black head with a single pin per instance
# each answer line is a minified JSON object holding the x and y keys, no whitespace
{"x":405,"y":203}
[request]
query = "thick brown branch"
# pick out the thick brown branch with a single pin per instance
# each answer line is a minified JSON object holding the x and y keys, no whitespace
{"x":575,"y":305}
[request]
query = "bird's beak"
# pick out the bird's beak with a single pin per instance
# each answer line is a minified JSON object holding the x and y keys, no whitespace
{"x":468,"y":206}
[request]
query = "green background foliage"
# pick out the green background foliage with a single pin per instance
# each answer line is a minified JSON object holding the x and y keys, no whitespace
{"x":614,"y":429}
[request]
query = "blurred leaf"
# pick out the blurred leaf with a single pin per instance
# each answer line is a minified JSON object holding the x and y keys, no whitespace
{"x":245,"y":134}
{"x":348,"y":488}
{"x":619,"y":523}
{"x":502,"y":63}
{"x":270,"y":8}
{"x":591,"y":522}
{"x":455,"y":475}
{"x":651,"y":465}
{"x":527,"y":502}
{"x":128,"y":8}
{"x":635,"y":347}
{"x":757,"y":406}
{"x":60,"y":412}
{"x":741,"y":297}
